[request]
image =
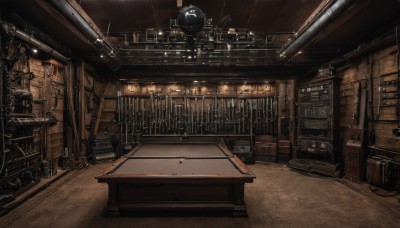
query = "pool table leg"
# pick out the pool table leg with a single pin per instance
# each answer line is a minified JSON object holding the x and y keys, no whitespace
{"x":240,"y":207}
{"x":111,"y":209}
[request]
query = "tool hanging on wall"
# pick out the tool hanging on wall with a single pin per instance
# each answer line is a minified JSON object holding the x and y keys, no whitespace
{"x":355,"y":153}
{"x":356,"y":104}
{"x":396,"y":131}
{"x":119,"y":110}
{"x":159,"y":114}
{"x":374,"y":116}
{"x":127,"y":104}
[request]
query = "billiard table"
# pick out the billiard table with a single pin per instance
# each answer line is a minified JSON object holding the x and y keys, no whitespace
{"x":177,"y":176}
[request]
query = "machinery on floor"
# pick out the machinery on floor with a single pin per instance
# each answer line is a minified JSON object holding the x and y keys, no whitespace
{"x":318,"y":125}
{"x":20,"y":158}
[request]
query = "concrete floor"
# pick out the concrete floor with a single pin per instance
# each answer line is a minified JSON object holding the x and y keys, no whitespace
{"x":279,"y":197}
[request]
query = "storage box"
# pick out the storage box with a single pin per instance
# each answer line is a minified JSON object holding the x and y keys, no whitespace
{"x":265,"y":158}
{"x":376,"y":171}
{"x":266,"y":152}
{"x":241,"y":147}
{"x":284,"y":147}
{"x":265,"y":139}
{"x":266,"y":149}
{"x":355,"y":155}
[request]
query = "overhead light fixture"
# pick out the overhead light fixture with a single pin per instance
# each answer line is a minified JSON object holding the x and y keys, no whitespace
{"x":195,"y":81}
{"x":300,"y":52}
{"x":191,"y":20}
{"x":34,"y":50}
{"x":101,"y":55}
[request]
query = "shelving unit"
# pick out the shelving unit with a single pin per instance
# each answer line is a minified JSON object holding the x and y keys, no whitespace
{"x":318,"y":142}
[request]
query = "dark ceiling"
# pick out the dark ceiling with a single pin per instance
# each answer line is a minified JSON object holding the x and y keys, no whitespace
{"x":360,"y":22}
{"x":266,"y":16}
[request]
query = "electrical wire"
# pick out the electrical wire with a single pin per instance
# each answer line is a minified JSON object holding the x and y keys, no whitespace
{"x":374,"y":116}
{"x":315,"y":175}
{"x":378,"y":191}
{"x":3,"y":146}
{"x":398,"y":71}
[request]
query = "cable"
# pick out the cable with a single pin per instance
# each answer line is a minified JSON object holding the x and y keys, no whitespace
{"x":374,"y":116}
{"x":398,"y":71}
{"x":377,"y":190}
{"x":315,"y":175}
{"x":3,"y":146}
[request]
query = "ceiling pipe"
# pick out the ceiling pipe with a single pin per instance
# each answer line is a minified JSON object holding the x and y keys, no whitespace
{"x":315,"y":27}
{"x":13,"y":31}
{"x":94,"y":37}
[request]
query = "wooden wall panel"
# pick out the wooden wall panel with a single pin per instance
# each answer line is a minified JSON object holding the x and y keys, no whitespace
{"x":107,"y":122}
{"x":382,"y":65}
{"x":36,"y":87}
{"x":45,"y":87}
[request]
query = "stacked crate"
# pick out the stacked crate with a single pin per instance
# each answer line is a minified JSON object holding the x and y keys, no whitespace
{"x":284,"y":150}
{"x":102,"y":148}
{"x":242,"y":149}
{"x":266,"y":148}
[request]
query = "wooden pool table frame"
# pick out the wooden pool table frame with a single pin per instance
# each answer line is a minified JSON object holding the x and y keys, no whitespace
{"x":132,"y":192}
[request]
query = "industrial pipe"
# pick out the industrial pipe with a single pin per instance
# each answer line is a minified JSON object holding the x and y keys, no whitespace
{"x":13,"y":31}
{"x":33,"y":121}
{"x":95,"y":38}
{"x":16,"y":122}
{"x":22,"y":93}
{"x":315,"y":27}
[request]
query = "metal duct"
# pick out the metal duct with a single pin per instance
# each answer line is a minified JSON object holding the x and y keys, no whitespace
{"x":13,"y":31}
{"x":321,"y":22}
{"x":69,"y":12}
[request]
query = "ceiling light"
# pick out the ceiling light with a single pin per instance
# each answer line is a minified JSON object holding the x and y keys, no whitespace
{"x":34,"y":50}
{"x":195,"y":81}
{"x":299,"y":52}
{"x":101,"y":55}
{"x":191,"y":19}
